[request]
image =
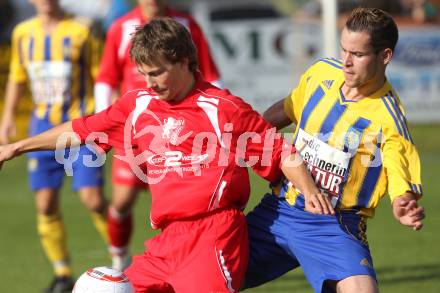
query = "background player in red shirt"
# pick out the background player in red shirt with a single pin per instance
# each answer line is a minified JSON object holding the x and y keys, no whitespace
{"x":118,"y":73}
{"x":197,"y":141}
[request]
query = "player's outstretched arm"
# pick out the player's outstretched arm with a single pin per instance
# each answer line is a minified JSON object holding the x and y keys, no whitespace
{"x":276,"y":116}
{"x":44,"y":141}
{"x":407,"y":211}
{"x":296,"y":172}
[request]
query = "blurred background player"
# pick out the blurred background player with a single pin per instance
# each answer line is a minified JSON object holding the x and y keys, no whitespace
{"x":118,"y":72}
{"x":49,"y":52}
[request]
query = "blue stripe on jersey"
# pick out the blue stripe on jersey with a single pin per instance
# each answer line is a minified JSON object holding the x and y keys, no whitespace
{"x":47,"y":50}
{"x":372,"y":176}
{"x":391,"y":101}
{"x":65,"y":115}
{"x":332,"y":63}
{"x":417,"y":188}
{"x":336,"y":61}
{"x":401,"y":117}
{"x":343,"y":97}
{"x":333,"y":116}
{"x":67,"y":50}
{"x":310,"y":106}
{"x":392,"y":115}
{"x":414,"y":188}
{"x":31,"y":48}
{"x":361,"y":124}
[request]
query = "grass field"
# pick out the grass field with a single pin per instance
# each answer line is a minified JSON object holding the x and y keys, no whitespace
{"x":406,"y":261}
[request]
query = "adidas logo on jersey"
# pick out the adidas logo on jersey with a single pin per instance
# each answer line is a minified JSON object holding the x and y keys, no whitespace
{"x":328,"y":83}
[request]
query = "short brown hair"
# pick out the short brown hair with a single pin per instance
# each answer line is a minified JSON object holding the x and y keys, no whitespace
{"x":378,"y":23}
{"x":163,"y":38}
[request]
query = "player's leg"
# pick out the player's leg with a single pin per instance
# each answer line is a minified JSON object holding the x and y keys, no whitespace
{"x":45,"y":178}
{"x":359,"y":283}
{"x":331,"y":249}
{"x":126,"y":186}
{"x":210,"y":254}
{"x":150,"y":271}
{"x":268,"y":243}
{"x":120,"y":224}
{"x":88,"y":181}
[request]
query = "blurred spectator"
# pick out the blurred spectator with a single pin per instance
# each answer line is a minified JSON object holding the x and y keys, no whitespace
{"x":101,"y":12}
{"x":421,"y":11}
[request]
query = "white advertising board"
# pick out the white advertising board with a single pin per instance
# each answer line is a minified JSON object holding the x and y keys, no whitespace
{"x":262,"y":60}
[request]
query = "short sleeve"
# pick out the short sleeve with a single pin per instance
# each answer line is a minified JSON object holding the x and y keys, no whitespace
{"x":17,"y":71}
{"x":112,"y":122}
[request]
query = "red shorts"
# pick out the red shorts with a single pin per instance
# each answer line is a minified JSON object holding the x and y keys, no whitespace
{"x":209,"y":254}
{"x":122,"y":173}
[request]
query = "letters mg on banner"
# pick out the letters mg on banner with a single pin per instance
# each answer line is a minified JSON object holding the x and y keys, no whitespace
{"x":262,"y":60}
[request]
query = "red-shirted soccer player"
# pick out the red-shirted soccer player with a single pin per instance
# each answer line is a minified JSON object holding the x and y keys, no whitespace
{"x":195,"y":139}
{"x":118,"y":72}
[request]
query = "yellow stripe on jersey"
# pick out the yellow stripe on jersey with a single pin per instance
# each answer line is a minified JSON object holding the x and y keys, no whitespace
{"x":372,"y":131}
{"x":56,"y":66}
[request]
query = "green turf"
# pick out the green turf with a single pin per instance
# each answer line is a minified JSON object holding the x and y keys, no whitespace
{"x":406,"y":261}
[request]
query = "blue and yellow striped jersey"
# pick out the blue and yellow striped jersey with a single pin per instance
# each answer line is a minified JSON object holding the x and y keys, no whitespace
{"x":57,"y":65}
{"x":356,"y":151}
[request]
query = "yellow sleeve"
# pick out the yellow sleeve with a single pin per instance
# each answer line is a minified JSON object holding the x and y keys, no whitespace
{"x":402,"y":165}
{"x":293,"y":104}
{"x":17,"y":71}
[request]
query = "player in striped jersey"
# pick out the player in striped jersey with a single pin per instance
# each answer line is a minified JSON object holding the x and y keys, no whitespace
{"x":49,"y":52}
{"x":352,"y":133}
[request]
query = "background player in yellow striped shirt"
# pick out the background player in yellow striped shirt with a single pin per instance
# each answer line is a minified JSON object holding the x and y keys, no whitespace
{"x":49,"y":53}
{"x":352,"y":132}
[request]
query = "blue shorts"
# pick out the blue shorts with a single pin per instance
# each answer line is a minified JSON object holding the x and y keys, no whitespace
{"x":45,"y":172}
{"x":283,"y":237}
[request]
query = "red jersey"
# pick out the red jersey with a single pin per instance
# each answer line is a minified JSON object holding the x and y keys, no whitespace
{"x":120,"y":72}
{"x":194,"y":150}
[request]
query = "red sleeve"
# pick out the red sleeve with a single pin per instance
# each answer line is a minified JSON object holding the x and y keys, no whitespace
{"x":110,"y":122}
{"x":206,"y":62}
{"x":110,"y":71}
{"x":263,"y":142}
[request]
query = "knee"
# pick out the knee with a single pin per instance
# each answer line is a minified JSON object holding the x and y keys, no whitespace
{"x":47,"y":202}
{"x":93,"y":199}
{"x":359,"y":284}
{"x":123,"y":199}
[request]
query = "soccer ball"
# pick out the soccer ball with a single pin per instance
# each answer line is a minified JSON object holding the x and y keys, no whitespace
{"x":103,"y":280}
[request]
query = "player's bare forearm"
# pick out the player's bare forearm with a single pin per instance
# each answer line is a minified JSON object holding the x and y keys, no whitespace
{"x":61,"y":135}
{"x":407,"y":211}
{"x":276,"y":116}
{"x":296,"y":172}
